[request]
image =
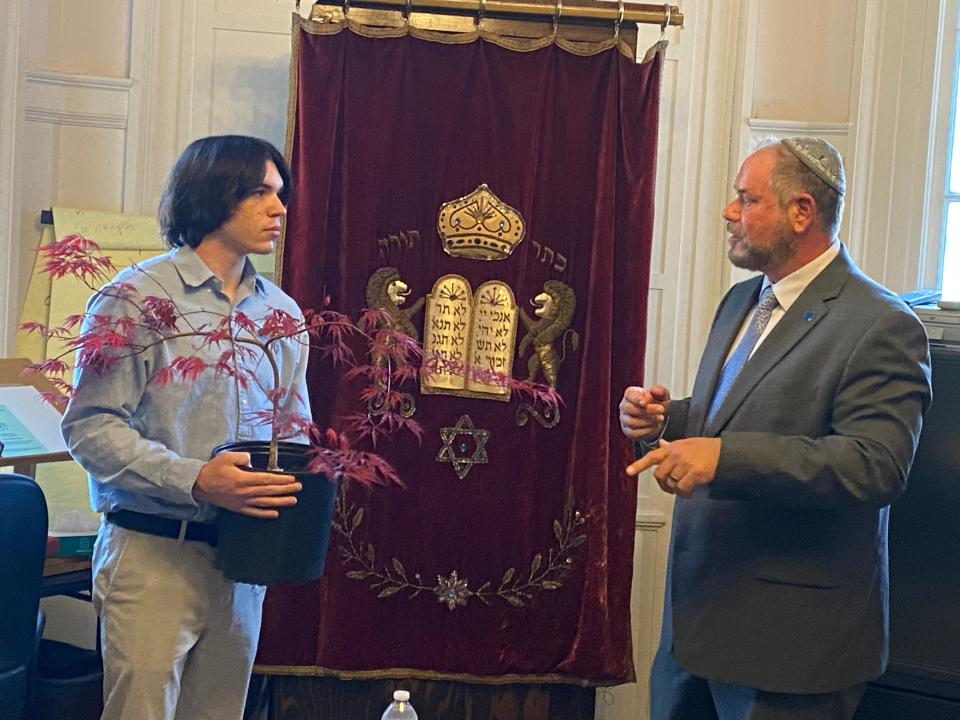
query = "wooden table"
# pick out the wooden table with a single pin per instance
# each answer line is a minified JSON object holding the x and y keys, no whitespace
{"x":67,"y":576}
{"x":27,"y":464}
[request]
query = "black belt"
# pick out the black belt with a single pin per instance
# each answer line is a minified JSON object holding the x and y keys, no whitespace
{"x":164,"y":527}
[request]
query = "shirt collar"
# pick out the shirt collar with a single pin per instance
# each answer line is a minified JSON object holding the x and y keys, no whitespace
{"x":788,"y":289}
{"x":195,"y":273}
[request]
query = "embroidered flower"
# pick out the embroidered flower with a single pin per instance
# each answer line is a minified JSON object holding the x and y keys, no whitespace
{"x":451,"y":591}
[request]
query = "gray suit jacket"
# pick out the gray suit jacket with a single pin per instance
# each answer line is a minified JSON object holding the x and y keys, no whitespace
{"x":778,"y":569}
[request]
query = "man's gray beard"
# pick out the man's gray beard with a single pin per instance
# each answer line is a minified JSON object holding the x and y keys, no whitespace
{"x":759,"y":258}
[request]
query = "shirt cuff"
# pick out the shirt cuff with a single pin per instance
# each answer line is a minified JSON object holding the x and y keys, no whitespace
{"x":182,"y":475}
{"x":642,"y":447}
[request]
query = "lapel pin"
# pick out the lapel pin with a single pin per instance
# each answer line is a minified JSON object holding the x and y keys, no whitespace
{"x":808,"y":315}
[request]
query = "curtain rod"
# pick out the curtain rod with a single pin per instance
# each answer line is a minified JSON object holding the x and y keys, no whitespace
{"x":647,"y":14}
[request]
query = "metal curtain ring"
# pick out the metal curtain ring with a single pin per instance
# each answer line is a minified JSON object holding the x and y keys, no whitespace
{"x":406,"y":12}
{"x":481,"y":11}
{"x":557,"y":12}
{"x":616,"y":27}
{"x":667,"y":15}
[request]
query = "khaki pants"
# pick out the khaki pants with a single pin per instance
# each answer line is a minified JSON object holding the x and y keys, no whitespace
{"x":178,"y":637}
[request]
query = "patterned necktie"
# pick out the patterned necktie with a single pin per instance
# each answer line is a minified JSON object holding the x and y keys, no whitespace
{"x":758,"y":323}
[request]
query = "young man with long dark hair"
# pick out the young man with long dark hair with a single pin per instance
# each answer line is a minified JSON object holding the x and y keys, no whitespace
{"x":178,"y":637}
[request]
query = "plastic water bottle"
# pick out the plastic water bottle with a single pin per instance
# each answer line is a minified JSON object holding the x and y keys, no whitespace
{"x":400,"y":708}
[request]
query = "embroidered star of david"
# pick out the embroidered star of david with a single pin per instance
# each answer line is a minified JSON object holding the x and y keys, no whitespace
{"x":456,"y":446}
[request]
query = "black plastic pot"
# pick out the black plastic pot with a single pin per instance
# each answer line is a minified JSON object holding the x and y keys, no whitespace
{"x":288,"y":549}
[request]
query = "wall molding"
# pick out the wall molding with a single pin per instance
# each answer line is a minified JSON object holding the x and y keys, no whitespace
{"x":72,"y":80}
{"x":145,"y":24}
{"x":56,"y":117}
{"x":63,"y":99}
{"x":10,"y":15}
{"x":796,"y":127}
{"x":650,"y":520}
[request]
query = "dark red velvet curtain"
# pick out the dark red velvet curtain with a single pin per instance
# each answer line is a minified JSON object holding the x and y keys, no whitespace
{"x":387,"y":130}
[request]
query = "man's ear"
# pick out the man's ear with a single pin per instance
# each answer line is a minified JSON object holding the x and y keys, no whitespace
{"x":803,"y":212}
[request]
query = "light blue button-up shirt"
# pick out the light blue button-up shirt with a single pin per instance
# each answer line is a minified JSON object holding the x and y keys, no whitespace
{"x":143,"y":444}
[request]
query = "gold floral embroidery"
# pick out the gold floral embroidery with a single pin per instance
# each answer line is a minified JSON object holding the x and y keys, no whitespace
{"x":545,"y":573}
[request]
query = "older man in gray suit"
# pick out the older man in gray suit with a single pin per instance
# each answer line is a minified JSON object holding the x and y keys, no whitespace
{"x":800,"y":431}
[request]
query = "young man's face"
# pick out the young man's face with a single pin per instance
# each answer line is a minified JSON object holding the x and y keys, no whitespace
{"x":255,"y":224}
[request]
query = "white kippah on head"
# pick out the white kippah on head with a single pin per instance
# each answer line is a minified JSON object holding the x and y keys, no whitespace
{"x":821,"y":157}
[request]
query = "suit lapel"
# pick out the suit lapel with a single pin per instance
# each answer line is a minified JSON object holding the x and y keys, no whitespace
{"x":808,"y":310}
{"x":730,"y":318}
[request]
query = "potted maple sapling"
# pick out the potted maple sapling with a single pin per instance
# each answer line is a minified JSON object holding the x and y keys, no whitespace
{"x":290,"y":548}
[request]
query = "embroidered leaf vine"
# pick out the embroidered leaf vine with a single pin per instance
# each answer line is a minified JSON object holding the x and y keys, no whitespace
{"x":547,"y":573}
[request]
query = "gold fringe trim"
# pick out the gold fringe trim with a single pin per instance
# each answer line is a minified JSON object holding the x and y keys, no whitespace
{"x":575,"y":47}
{"x":410,"y":673}
{"x":658,"y":50}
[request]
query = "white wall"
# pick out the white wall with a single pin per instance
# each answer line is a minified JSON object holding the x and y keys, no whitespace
{"x":79,"y":38}
{"x":10,"y":195}
{"x":100,"y":96}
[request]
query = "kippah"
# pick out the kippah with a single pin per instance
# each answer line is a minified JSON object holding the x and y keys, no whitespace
{"x":821,"y":157}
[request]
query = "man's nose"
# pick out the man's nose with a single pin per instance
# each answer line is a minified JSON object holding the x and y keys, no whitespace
{"x":277,"y":207}
{"x":731,"y":212}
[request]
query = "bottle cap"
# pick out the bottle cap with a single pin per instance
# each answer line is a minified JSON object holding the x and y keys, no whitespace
{"x":401,"y":695}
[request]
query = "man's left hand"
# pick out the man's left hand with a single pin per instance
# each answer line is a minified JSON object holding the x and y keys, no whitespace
{"x":681,"y":465}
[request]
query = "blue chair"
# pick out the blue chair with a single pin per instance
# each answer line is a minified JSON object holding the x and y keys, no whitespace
{"x":23,"y":544}
{"x":66,"y":684}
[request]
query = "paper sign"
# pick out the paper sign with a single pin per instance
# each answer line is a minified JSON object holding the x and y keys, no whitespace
{"x":28,"y":424}
{"x":16,"y":439}
{"x":111,"y":231}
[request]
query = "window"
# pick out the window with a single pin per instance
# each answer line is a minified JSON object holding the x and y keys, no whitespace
{"x":949,"y":200}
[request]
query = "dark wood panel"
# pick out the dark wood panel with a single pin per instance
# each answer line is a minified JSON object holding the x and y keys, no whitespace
{"x":314,"y":698}
{"x":923,"y":679}
{"x":881,"y":703}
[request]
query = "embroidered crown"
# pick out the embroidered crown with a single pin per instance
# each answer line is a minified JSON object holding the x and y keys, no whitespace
{"x":821,"y":157}
{"x":479,"y":226}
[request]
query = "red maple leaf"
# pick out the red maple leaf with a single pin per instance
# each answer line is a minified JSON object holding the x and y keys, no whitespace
{"x":189,"y":367}
{"x":78,"y":257}
{"x":159,"y":313}
{"x":162,"y":376}
{"x":33,"y":327}
{"x":51,"y":366}
{"x":215,"y":337}
{"x":244,"y":321}
{"x":279,"y":323}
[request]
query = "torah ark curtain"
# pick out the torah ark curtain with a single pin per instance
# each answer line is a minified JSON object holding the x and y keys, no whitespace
{"x":507,"y":556}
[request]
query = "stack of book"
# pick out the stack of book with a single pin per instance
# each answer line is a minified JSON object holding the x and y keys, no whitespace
{"x":70,"y":545}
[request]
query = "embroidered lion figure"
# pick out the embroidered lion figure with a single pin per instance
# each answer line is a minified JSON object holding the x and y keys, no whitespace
{"x":554,"y":310}
{"x":386,"y":291}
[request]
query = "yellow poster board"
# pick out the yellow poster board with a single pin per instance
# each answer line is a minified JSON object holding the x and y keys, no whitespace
{"x":125,"y":239}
